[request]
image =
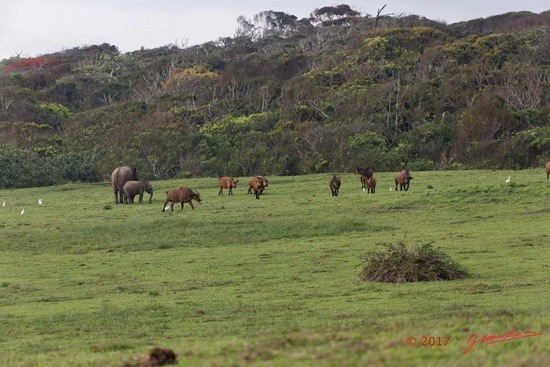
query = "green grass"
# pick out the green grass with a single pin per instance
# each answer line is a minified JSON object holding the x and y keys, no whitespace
{"x":275,"y":282}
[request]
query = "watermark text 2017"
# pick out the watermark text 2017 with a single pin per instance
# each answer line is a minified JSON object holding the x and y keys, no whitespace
{"x":428,"y":341}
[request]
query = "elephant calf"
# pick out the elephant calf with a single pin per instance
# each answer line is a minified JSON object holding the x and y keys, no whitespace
{"x":133,"y":188}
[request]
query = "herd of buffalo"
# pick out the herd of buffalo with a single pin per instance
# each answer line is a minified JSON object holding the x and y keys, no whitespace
{"x":126,"y":186}
{"x":368,"y":182}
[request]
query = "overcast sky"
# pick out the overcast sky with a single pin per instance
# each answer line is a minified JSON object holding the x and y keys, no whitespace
{"x":33,"y":27}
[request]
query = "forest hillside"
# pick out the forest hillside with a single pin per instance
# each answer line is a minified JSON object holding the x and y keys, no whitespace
{"x":285,"y":96}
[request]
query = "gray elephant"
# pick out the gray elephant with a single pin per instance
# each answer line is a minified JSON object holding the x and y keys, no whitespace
{"x":133,"y":188}
{"x":119,"y":177}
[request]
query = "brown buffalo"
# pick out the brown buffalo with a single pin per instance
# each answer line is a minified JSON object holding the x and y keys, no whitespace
{"x":227,"y":182}
{"x":365,"y":173}
{"x":251,"y":184}
{"x":371,"y":185}
{"x":403,"y":179}
{"x":334,"y":185}
{"x":181,"y":195}
{"x":547,"y":170}
{"x":258,"y":186}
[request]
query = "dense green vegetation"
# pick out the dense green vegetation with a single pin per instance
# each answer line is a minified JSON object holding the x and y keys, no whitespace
{"x":275,"y":281}
{"x":286,"y":96}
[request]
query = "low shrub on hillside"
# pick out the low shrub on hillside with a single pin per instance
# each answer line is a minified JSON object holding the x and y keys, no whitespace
{"x":419,"y":264}
{"x":25,"y":168}
{"x":22,"y":168}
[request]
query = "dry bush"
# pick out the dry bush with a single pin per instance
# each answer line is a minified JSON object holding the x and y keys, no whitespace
{"x":419,"y":264}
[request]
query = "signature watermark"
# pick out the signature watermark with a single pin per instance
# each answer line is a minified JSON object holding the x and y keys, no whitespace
{"x":494,"y":339}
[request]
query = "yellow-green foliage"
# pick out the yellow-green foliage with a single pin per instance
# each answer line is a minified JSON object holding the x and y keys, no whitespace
{"x":56,"y":109}
{"x":376,"y":47}
{"x":392,"y":42}
{"x":250,"y":122}
{"x":194,"y":74}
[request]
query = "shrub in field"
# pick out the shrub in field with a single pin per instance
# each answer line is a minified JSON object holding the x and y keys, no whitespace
{"x":419,"y":264}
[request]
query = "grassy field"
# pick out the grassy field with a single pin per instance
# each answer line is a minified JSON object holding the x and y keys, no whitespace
{"x":274,"y":282}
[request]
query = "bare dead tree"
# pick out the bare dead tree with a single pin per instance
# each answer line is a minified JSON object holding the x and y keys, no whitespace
{"x":108,"y":98}
{"x":378,"y":16}
{"x":5,"y":102}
